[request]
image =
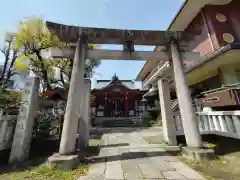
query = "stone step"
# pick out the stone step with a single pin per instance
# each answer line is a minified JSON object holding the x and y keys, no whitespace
{"x":118,"y":122}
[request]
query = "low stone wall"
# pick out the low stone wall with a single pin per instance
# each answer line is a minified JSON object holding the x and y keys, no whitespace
{"x":7,"y":126}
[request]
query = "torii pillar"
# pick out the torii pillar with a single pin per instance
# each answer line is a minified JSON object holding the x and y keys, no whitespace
{"x":169,"y":130}
{"x":75,"y":94}
{"x":83,"y":126}
{"x":189,"y":120}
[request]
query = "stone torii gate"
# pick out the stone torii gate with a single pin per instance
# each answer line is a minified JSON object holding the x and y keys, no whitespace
{"x":80,"y":37}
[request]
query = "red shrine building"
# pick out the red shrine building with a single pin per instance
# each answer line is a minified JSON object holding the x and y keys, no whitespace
{"x":116,"y":98}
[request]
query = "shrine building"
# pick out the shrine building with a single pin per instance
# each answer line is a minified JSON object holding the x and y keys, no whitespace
{"x":116,"y":98}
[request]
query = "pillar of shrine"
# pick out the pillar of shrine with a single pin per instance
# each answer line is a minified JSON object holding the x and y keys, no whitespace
{"x":126,"y":105}
{"x":189,"y":120}
{"x":106,"y":105}
{"x":70,"y":125}
{"x":169,"y":130}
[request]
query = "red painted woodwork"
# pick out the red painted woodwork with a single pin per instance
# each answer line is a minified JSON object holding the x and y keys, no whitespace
{"x":120,"y":94}
{"x":208,"y":31}
{"x":126,"y":104}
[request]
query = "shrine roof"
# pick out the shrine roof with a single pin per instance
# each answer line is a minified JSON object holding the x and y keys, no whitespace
{"x":189,"y":10}
{"x":70,"y":34}
{"x":59,"y":92}
{"x":101,"y":84}
{"x":148,"y":66}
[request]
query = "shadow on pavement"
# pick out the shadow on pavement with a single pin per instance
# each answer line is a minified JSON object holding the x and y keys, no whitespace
{"x":127,"y":156}
{"x":113,"y":145}
{"x":106,"y":130}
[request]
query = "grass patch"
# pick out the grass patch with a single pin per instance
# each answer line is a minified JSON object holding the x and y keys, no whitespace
{"x":218,"y":169}
{"x":148,"y":123}
{"x":43,"y":172}
{"x":226,"y":166}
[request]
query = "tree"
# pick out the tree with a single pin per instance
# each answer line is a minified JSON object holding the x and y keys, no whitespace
{"x":10,"y":53}
{"x":65,"y":66}
{"x":90,"y":67}
{"x":34,"y":37}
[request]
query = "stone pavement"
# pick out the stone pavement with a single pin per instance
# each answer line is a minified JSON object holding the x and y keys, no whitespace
{"x":128,"y":156}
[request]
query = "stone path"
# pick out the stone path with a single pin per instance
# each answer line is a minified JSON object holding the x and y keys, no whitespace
{"x":128,"y":156}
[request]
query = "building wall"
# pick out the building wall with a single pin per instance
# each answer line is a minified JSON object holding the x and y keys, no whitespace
{"x":205,"y":33}
{"x":234,"y":17}
{"x":229,"y":23}
{"x":211,"y":83}
{"x":197,"y":37}
{"x":208,"y":29}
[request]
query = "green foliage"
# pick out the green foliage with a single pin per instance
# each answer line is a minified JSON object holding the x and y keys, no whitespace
{"x":148,"y":122}
{"x":43,"y":172}
{"x":10,"y":54}
{"x":9,"y":101}
{"x":43,"y":125}
{"x":90,"y":67}
{"x":33,"y":34}
{"x":34,"y":37}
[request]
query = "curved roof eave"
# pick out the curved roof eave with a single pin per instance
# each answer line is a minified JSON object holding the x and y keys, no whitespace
{"x":175,"y":17}
{"x":177,"y":14}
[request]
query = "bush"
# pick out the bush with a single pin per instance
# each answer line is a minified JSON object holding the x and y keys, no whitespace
{"x":148,"y":122}
{"x":44,"y":125}
{"x":10,"y":101}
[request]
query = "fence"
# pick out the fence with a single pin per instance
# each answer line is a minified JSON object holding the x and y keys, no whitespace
{"x":222,"y":123}
{"x":7,"y":126}
{"x":47,"y":113}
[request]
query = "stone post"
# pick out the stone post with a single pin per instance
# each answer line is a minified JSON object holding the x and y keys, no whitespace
{"x":70,"y":124}
{"x":27,"y":112}
{"x":169,"y":130}
{"x":189,"y":120}
{"x":83,"y":127}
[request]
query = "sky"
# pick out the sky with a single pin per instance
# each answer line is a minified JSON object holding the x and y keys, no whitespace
{"x":124,"y":14}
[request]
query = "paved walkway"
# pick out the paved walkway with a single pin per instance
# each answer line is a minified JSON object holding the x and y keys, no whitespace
{"x":128,"y":156}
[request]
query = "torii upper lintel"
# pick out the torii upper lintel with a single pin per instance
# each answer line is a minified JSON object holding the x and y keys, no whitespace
{"x":70,"y":34}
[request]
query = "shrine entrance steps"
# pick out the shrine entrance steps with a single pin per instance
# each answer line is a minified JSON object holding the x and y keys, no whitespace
{"x":117,"y":121}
